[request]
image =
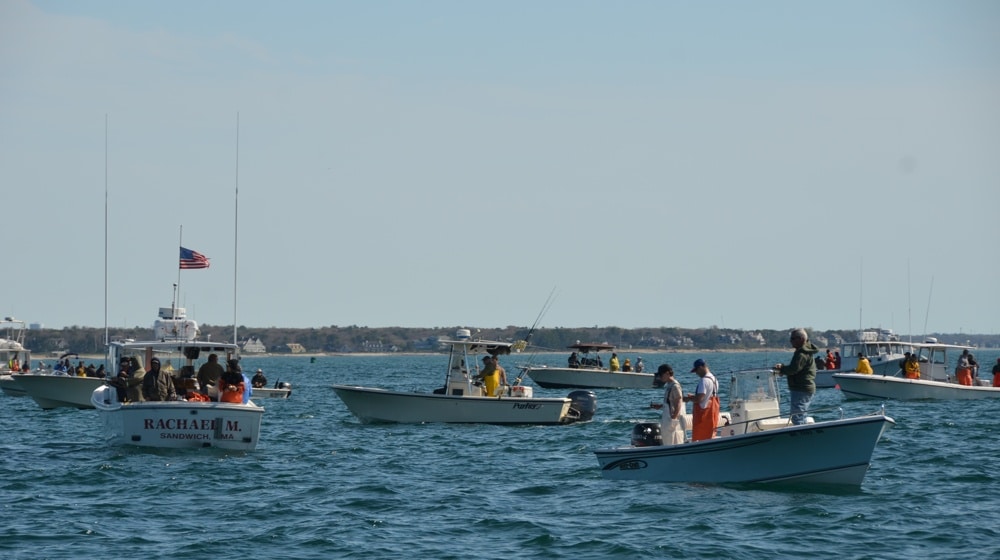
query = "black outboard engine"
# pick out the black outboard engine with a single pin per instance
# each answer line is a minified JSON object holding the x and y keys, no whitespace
{"x":646,"y":434}
{"x":584,"y":404}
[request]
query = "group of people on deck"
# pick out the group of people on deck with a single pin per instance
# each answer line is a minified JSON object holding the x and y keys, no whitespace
{"x":800,"y":373}
{"x":832,"y":360}
{"x":212,"y":382}
{"x":705,"y":408}
{"x":614,"y":365}
{"x":16,"y":366}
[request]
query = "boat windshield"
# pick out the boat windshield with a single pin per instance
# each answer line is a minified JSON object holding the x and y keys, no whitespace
{"x":752,"y":385}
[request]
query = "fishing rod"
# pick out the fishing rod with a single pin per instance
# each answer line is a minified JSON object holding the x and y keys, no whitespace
{"x":522,"y":344}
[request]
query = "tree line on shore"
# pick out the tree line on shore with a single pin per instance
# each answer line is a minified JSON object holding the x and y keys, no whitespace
{"x":336,"y":339}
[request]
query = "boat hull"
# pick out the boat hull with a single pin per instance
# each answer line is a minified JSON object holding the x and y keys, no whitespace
{"x":55,"y":391}
{"x":372,"y":405}
{"x":858,"y":386}
{"x":178,"y":424}
{"x":825,"y":380}
{"x":10,"y":386}
{"x":836,"y":453}
{"x":583,"y":378}
{"x":265,"y":393}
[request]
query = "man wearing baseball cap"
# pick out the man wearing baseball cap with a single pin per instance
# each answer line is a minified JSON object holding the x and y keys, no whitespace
{"x":705,"y":413}
{"x":672,"y":424}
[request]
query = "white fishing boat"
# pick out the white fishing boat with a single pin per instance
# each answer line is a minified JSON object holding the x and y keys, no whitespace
{"x":281,"y":390}
{"x":756,"y":446}
{"x":182,"y":423}
{"x":51,"y":390}
{"x":587,"y":372}
{"x":12,"y":353}
{"x":882,"y":347}
{"x":461,"y":400}
{"x":936,"y":381}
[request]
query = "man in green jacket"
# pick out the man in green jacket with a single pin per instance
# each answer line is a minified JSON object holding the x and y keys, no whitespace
{"x":801,"y":375}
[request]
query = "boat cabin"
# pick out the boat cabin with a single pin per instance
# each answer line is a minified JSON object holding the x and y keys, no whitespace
{"x":584,"y":350}
{"x":12,"y":346}
{"x":933,"y":357}
{"x":463,"y":362}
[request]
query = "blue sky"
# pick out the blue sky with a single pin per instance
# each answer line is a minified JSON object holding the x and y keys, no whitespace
{"x":746,"y":165}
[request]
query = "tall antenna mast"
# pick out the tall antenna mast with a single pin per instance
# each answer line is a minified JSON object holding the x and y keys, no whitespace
{"x":106,"y":214}
{"x":236,"y":227}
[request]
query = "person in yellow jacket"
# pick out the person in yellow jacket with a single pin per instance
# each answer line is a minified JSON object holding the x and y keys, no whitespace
{"x":489,"y":375}
{"x":864,"y":366}
{"x":613,"y":364}
{"x":911,"y":370}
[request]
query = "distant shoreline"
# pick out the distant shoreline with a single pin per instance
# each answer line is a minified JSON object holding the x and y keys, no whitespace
{"x":626,"y":353}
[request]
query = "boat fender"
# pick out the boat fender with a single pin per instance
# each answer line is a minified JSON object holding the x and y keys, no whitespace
{"x":584,"y":403}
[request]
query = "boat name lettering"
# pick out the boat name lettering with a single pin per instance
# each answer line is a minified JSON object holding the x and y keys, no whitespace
{"x":168,"y":435}
{"x":527,"y":406}
{"x":188,"y":424}
{"x":806,"y":433}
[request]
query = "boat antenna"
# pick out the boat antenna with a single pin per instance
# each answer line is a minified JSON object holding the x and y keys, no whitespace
{"x":909,"y":304}
{"x":236,"y":225}
{"x":861,"y":296}
{"x":107,"y":350}
{"x":927,"y":314}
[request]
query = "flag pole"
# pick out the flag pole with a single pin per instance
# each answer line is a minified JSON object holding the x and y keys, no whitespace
{"x":177,"y":286}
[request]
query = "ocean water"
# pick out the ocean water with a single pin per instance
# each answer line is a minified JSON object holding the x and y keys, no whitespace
{"x":322,"y":485}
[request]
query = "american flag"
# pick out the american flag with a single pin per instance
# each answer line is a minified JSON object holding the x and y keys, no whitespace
{"x":193,"y":259}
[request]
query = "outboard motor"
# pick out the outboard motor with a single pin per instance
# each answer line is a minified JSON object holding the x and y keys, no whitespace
{"x":584,"y":403}
{"x":282,"y":385}
{"x":646,"y":434}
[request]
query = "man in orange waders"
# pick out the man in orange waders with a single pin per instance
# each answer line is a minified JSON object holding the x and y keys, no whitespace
{"x":705,"y":414}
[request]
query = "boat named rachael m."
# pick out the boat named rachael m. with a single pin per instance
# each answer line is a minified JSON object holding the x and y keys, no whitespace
{"x":181,"y":423}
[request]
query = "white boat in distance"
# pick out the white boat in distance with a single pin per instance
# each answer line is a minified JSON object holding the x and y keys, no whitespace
{"x":281,"y":390}
{"x":12,"y":348}
{"x":50,"y":390}
{"x":882,"y":347}
{"x":182,"y":423}
{"x":591,"y":373}
{"x":461,"y":400}
{"x":936,"y":379}
{"x":757,"y":446}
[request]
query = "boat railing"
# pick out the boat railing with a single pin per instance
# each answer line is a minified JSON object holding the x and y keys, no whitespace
{"x":771,"y":422}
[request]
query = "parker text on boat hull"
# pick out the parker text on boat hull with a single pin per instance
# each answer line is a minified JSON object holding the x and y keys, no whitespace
{"x":836,"y":452}
{"x":179,"y":424}
{"x":54,"y":391}
{"x":585,"y":378}
{"x":372,"y":405}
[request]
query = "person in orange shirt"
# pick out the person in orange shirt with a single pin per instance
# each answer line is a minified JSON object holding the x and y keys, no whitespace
{"x":996,"y":374}
{"x":963,"y":371}
{"x":705,"y":414}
